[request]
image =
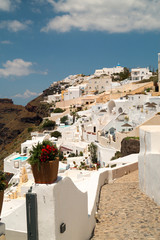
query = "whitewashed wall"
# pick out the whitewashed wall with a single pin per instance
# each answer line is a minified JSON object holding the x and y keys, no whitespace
{"x":63,"y":202}
{"x":105,"y":154}
{"x":149,"y":161}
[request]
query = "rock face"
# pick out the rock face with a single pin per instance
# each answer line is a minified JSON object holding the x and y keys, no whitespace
{"x":129,"y":146}
{"x":38,"y":106}
{"x":6,"y":100}
{"x":13,"y":120}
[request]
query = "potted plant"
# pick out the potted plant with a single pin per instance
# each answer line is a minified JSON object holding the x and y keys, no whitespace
{"x":44,"y":161}
{"x":3,"y":186}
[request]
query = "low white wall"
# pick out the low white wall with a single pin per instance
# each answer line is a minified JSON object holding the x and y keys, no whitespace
{"x":78,"y":160}
{"x":149,"y":162}
{"x":12,"y":235}
{"x":15,"y":220}
{"x":63,"y":202}
{"x":105,"y":154}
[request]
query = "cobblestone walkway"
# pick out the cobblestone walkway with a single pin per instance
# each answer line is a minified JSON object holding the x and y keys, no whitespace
{"x":126,"y":213}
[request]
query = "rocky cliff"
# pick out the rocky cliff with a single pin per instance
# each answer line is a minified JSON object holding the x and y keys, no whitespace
{"x":13,"y":120}
{"x":129,"y":146}
{"x":38,"y":106}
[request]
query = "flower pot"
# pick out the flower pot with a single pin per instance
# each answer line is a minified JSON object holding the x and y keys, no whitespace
{"x":47,"y":173}
{"x":1,"y":200}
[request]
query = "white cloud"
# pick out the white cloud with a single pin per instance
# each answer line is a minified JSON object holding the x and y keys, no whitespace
{"x":14,"y":26}
{"x":5,"y":5}
{"x":8,"y":5}
{"x":113,"y":16}
{"x":17,"y":67}
{"x":26,"y":94}
{"x":6,"y":42}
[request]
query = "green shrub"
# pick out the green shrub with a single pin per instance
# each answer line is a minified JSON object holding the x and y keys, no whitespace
{"x":56,"y":134}
{"x":58,"y":110}
{"x":64,"y":119}
{"x":60,"y":155}
{"x":93,"y":152}
{"x":116,"y":156}
{"x":72,"y":155}
{"x":3,"y":181}
{"x":30,"y":129}
{"x":81,"y":153}
{"x":49,"y":124}
{"x":136,"y":138}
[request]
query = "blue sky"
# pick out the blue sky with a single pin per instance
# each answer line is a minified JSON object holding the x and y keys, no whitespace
{"x":42,"y":41}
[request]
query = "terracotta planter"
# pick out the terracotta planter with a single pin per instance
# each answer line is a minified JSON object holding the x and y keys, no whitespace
{"x":47,"y":173}
{"x":1,"y":200}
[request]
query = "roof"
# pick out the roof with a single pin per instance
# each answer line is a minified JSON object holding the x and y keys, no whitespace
{"x":65,"y":148}
{"x":151,"y":105}
{"x":123,"y":114}
{"x":126,"y":125}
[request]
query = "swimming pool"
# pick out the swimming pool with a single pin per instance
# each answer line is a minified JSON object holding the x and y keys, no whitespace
{"x":63,"y":126}
{"x":21,"y":158}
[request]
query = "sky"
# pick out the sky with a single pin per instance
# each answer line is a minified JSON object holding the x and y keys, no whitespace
{"x":43,"y":41}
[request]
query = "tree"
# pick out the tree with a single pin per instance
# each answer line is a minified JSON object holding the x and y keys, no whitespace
{"x":49,"y":124}
{"x":64,"y":119}
{"x":93,"y":152}
{"x":125,"y":74}
{"x":60,"y":155}
{"x":73,"y":114}
{"x":56,"y":134}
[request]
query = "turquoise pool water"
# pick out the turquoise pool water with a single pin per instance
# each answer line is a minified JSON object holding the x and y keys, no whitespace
{"x":64,"y":126}
{"x":21,"y":158}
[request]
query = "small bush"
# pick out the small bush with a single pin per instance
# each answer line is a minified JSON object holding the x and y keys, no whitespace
{"x":116,"y":156}
{"x":56,"y":134}
{"x":58,"y":110}
{"x":30,"y":129}
{"x":64,"y":119}
{"x":49,"y":124}
{"x":81,"y":153}
{"x":136,"y":138}
{"x":72,"y":155}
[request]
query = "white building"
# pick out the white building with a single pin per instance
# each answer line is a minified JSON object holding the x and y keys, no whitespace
{"x":100,"y":84}
{"x":26,"y":146}
{"x":109,"y":71}
{"x":54,"y":98}
{"x":138,"y":74}
{"x":72,"y":93}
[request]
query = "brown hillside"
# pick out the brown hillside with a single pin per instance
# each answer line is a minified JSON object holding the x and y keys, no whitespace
{"x":14,"y":119}
{"x":38,"y":106}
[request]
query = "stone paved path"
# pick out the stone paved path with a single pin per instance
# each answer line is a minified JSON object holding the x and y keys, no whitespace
{"x":126,"y":213}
